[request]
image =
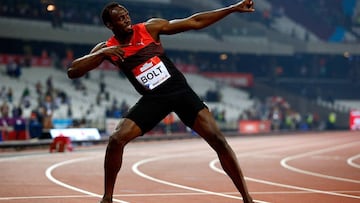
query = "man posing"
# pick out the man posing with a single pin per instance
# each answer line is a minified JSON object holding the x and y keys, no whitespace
{"x":137,"y":51}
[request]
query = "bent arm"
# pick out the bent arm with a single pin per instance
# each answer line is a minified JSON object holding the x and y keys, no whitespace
{"x":82,"y":65}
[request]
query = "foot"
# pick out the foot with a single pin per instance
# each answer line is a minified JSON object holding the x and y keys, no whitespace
{"x":248,"y":200}
{"x":104,"y":200}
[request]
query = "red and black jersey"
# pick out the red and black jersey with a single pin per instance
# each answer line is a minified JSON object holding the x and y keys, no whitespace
{"x":146,"y":66}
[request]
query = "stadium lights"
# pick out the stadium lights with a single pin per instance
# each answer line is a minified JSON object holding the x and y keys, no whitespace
{"x":51,"y":8}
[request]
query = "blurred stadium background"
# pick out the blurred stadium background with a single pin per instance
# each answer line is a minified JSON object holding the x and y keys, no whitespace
{"x":290,"y":66}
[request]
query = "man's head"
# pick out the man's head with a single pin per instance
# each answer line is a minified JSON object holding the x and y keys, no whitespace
{"x":116,"y":18}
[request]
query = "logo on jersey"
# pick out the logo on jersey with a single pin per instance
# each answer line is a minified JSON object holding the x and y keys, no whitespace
{"x":152,"y":73}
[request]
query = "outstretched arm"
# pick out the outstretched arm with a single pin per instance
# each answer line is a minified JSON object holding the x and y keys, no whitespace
{"x":98,"y":54}
{"x":197,"y":21}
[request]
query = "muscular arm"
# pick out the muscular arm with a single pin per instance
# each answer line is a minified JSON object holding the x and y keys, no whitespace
{"x":84,"y":64}
{"x":197,"y":21}
{"x":98,"y":54}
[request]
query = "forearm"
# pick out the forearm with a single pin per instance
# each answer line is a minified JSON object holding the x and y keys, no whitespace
{"x":204,"y":19}
{"x":81,"y":66}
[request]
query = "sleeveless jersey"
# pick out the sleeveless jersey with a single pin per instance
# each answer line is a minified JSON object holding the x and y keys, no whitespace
{"x":146,"y":66}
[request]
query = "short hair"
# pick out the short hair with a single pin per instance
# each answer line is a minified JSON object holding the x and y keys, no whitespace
{"x":105,"y":14}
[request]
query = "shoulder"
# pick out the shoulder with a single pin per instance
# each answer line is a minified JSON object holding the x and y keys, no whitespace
{"x":156,"y":26}
{"x":156,"y":21}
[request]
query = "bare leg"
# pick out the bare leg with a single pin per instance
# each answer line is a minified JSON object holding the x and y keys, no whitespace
{"x":124,"y":133}
{"x":207,"y":128}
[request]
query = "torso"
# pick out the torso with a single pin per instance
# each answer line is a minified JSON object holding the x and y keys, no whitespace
{"x":146,"y":65}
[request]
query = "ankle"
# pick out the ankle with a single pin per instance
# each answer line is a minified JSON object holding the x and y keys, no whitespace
{"x":106,"y":200}
{"x":248,"y":200}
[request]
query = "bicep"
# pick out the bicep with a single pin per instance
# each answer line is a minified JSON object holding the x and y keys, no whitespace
{"x":158,"y":26}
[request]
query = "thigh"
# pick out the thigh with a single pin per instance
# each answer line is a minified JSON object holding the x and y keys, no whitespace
{"x":205,"y":124}
{"x":148,"y":112}
{"x":187,"y":106}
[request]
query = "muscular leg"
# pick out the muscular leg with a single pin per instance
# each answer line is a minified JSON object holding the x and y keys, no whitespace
{"x":206,"y":127}
{"x":126,"y":131}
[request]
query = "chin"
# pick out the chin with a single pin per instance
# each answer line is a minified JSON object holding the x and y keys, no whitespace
{"x":129,"y":31}
{"x":129,"y":28}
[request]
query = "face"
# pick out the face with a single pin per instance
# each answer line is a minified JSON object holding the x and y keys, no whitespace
{"x":120,"y":21}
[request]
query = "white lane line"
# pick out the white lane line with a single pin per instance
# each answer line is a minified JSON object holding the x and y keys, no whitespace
{"x":351,"y":162}
{"x":284,"y":162}
{"x":156,"y":195}
{"x":20,"y":157}
{"x":244,"y":154}
{"x":213,"y":166}
{"x":54,"y":180}
{"x":43,"y":197}
{"x":280,"y":149}
{"x":136,"y":170}
{"x":229,"y":193}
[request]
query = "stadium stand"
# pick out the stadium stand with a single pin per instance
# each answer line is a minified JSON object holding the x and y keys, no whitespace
{"x":288,"y":55}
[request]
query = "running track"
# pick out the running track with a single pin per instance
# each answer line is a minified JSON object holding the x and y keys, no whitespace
{"x":292,"y":168}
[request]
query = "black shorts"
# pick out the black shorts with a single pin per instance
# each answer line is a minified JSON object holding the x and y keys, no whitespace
{"x":151,"y":109}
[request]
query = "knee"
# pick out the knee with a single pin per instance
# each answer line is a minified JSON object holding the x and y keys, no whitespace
{"x":126,"y":131}
{"x":119,"y":138}
{"x":115,"y":141}
{"x":218,"y":142}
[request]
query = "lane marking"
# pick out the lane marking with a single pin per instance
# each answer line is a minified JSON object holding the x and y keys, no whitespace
{"x":136,"y":170}
{"x":281,"y":149}
{"x":157,"y":194}
{"x":62,"y":184}
{"x":213,"y":166}
{"x":43,"y":197}
{"x":18,"y":158}
{"x":229,"y":193}
{"x":284,"y":162}
{"x":251,"y":153}
{"x":351,"y":160}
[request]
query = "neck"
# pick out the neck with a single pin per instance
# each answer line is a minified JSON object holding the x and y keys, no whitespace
{"x":124,"y":38}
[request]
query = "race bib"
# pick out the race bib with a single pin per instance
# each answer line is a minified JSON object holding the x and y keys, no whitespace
{"x":152,"y":73}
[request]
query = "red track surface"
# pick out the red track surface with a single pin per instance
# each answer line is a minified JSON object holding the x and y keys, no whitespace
{"x":294,"y":168}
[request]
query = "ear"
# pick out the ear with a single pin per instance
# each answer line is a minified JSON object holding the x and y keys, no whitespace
{"x":109,"y":25}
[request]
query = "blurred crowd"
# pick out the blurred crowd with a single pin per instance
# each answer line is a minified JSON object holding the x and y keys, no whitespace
{"x":283,"y":116}
{"x":48,"y":100}
{"x":272,"y":69}
{"x":83,"y":13}
{"x":329,"y":14}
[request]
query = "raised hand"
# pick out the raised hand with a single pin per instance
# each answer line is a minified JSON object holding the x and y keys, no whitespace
{"x":245,"y":6}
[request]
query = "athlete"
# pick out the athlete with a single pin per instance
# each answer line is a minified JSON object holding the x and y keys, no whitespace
{"x":137,"y":51}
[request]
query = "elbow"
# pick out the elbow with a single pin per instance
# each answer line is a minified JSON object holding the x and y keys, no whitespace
{"x":72,"y":73}
{"x":197,"y":25}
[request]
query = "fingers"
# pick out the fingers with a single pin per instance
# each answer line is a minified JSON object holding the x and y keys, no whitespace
{"x":120,"y":53}
{"x":246,"y":6}
{"x":116,"y":52}
{"x":250,"y":5}
{"x":125,"y":45}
